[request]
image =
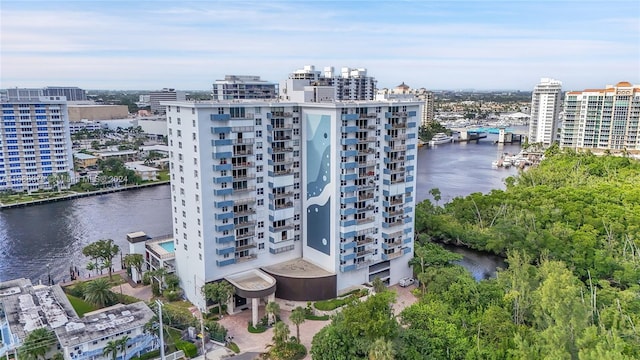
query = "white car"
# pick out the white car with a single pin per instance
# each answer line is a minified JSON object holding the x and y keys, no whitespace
{"x":404,"y":282}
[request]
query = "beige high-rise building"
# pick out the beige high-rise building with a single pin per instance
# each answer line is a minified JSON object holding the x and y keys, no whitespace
{"x":606,"y":118}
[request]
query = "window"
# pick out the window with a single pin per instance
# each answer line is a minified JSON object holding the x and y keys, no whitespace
{"x":193,"y":122}
{"x":185,"y":246}
{"x":179,"y":132}
{"x":258,"y":121}
{"x":260,"y":224}
{"x":260,"y":202}
{"x":261,"y":246}
{"x":259,"y":168}
{"x":296,"y":185}
{"x":260,"y":235}
{"x":259,"y":145}
{"x":259,"y":133}
{"x":260,"y":191}
{"x":258,"y":157}
{"x":260,"y":179}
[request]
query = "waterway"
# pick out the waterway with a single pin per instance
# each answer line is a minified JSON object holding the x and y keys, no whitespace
{"x":47,"y":239}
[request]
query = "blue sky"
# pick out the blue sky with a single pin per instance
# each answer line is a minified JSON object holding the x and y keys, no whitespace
{"x":431,"y":44}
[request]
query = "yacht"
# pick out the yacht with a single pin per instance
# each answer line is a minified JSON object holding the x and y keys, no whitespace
{"x":440,"y":138}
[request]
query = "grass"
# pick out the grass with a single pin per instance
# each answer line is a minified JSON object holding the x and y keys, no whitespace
{"x":327,"y":305}
{"x":8,"y":199}
{"x":80,"y":306}
{"x":317,"y":318}
{"x":234,"y":347}
{"x":256,"y":330}
{"x":163,"y":175}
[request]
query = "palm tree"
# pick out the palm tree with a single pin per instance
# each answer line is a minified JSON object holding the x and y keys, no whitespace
{"x":98,"y":292}
{"x":273,"y":310}
{"x":122,"y":346}
{"x":90,"y":267}
{"x":37,"y":343}
{"x":297,"y":318}
{"x":280,"y":334}
{"x":381,"y":350}
{"x":112,"y":348}
{"x":134,"y":261}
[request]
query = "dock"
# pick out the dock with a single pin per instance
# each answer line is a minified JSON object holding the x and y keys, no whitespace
{"x":81,"y":195}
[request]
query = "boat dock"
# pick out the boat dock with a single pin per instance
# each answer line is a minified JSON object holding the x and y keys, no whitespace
{"x":81,"y":195}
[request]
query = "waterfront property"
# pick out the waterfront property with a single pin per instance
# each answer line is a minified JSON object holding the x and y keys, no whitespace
{"x":602,"y":119}
{"x":545,"y":111}
{"x":260,"y":183}
{"x":35,"y":143}
{"x":25,"y":308}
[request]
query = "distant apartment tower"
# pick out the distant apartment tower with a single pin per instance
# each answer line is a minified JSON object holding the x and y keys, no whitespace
{"x":606,"y":118}
{"x":404,"y":91}
{"x":319,"y":196}
{"x":244,"y":87}
{"x":70,"y":93}
{"x":35,"y":141}
{"x":545,"y":111}
{"x":166,"y":94}
{"x":349,"y":84}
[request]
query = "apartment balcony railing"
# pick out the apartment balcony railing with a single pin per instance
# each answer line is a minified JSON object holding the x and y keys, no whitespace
{"x":242,"y":152}
{"x":245,"y":235}
{"x":284,"y":206}
{"x":281,"y":138}
{"x":243,"y":165}
{"x":246,"y":201}
{"x":277,"y":150}
{"x":283,"y":172}
{"x":365,"y":196}
{"x":366,"y":208}
{"x":244,"y":212}
{"x":284,"y":161}
{"x":249,"y":245}
{"x":242,"y":141}
{"x":245,"y":224}
{"x":366,"y":240}
{"x":244,"y":189}
{"x":281,"y":228}
{"x":365,"y":220}
{"x":241,"y":259}
{"x":367,"y":140}
{"x":366,"y":151}
{"x":367,"y":163}
{"x":364,"y":252}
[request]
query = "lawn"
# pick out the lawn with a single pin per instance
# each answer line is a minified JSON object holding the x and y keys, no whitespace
{"x":80,"y":306}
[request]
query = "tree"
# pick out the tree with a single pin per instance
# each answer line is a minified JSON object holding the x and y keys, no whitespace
{"x":122,"y":346}
{"x":218,"y":292}
{"x":134,"y":261}
{"x":37,"y":343}
{"x":280,"y":334}
{"x":111,"y":348}
{"x":273,"y":311}
{"x":381,"y":349}
{"x":98,"y":292}
{"x":103,"y":251}
{"x":378,"y":285}
{"x":437,"y":195}
{"x":297,"y":317}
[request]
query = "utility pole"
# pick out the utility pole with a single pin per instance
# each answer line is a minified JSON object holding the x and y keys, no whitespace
{"x":161,"y":333}
{"x":204,"y":349}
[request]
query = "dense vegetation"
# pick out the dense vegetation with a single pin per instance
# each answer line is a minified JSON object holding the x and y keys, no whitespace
{"x":569,"y":229}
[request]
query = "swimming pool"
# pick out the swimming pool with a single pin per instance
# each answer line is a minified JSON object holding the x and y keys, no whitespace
{"x":169,"y":246}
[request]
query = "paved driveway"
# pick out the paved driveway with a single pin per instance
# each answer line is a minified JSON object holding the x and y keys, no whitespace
{"x":237,"y":324}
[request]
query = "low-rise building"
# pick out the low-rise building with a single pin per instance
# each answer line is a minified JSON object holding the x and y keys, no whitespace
{"x":124,"y":155}
{"x":147,"y":173}
{"x":83,"y":160}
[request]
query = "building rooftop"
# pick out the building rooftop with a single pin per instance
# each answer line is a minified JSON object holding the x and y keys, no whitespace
{"x":297,"y":268}
{"x":139,"y":166}
{"x":252,"y":280}
{"x":104,"y":323}
{"x":83,"y":156}
{"x":27,"y":307}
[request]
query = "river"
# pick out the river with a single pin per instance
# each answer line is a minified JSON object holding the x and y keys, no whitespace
{"x":49,"y":238}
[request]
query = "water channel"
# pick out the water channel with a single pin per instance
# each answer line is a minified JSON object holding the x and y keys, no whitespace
{"x":49,"y":238}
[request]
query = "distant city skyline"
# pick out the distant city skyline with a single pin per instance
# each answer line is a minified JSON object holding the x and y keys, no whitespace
{"x":435,"y":45}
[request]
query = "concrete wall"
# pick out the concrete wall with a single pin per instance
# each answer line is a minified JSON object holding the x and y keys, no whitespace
{"x":97,"y":112}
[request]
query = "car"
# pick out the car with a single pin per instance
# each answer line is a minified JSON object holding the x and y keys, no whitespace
{"x":404,"y":282}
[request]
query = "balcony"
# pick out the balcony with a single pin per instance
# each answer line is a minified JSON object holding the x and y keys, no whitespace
{"x":392,"y":224}
{"x":398,"y":180}
{"x":364,"y":252}
{"x":244,"y":212}
{"x":282,"y":126}
{"x":281,"y":138}
{"x":395,"y":213}
{"x":281,"y":249}
{"x":281,"y":195}
{"x":243,"y":189}
{"x":243,"y":141}
{"x":367,"y":151}
{"x":243,"y":165}
{"x":365,"y":241}
{"x":241,"y":259}
{"x":365,"y":220}
{"x":365,"y":196}
{"x":239,"y":153}
{"x":366,"y":208}
{"x":245,"y":201}
{"x":245,"y":235}
{"x":284,"y":161}
{"x":281,"y":228}
{"x":244,"y":177}
{"x":365,"y":140}
{"x":281,"y":149}
{"x":281,"y":172}
{"x":249,"y":245}
{"x":244,"y":224}
{"x":366,"y":163}
{"x":391,"y":256}
{"x":284,"y":206}
{"x":281,"y":114}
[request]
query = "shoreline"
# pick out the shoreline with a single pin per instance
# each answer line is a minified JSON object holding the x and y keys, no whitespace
{"x":80,"y":195}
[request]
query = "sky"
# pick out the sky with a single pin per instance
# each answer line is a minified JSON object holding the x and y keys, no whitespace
{"x":452,"y":45}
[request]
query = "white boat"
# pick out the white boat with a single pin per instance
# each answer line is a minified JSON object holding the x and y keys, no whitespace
{"x":440,"y":138}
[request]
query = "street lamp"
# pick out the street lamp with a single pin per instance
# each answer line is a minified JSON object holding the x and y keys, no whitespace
{"x":49,"y":274}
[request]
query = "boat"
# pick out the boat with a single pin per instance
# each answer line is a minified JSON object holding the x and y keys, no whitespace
{"x":440,"y":138}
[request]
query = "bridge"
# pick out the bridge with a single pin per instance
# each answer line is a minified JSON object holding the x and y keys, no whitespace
{"x":469,"y":135}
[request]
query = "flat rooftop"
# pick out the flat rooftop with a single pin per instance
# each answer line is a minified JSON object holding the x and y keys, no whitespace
{"x":104,"y":323}
{"x":299,"y":268}
{"x":252,"y":280}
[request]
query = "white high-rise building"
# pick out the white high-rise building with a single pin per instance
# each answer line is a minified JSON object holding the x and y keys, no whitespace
{"x":166,"y":94}
{"x":303,"y":200}
{"x":545,"y":111}
{"x":311,"y":85}
{"x":606,"y":118}
{"x":35,"y":142}
{"x":243,"y":87}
